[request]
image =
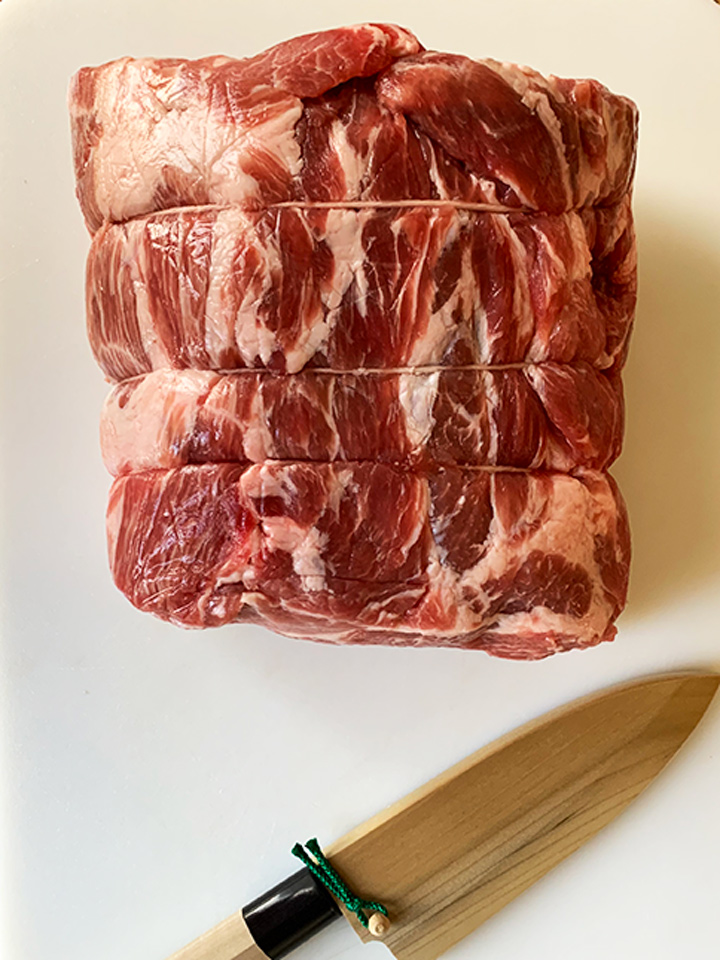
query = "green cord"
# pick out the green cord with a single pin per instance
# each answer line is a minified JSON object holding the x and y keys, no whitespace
{"x":320,"y":867}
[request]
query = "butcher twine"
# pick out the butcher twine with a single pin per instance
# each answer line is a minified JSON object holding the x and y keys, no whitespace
{"x":320,"y":867}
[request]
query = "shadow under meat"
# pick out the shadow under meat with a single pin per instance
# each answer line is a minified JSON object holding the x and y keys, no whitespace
{"x":669,"y":471}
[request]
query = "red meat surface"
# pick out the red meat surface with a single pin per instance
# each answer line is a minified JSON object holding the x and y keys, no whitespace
{"x":364,"y":308}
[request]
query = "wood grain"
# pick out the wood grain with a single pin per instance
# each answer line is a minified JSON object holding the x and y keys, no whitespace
{"x":449,"y":856}
{"x":229,"y":940}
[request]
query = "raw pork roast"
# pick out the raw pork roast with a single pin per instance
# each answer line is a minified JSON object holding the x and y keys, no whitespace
{"x":365,"y":308}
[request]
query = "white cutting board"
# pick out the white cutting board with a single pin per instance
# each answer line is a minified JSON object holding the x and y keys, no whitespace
{"x":154,"y":779}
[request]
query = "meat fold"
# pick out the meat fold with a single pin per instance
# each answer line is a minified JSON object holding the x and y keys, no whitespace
{"x":345,"y":289}
{"x":549,"y":416}
{"x":520,"y":564}
{"x":355,"y":114}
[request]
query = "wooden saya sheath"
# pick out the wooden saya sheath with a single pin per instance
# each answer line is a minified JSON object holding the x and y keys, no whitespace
{"x":448,"y":856}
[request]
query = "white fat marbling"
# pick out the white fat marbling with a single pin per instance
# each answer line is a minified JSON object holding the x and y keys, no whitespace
{"x":417,"y":397}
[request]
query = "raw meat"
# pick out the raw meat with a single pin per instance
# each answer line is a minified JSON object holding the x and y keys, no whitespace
{"x":366,"y":309}
{"x":343,"y":289}
{"x":293,"y":124}
{"x":522,"y":565}
{"x":554,"y":144}
{"x":550,"y":416}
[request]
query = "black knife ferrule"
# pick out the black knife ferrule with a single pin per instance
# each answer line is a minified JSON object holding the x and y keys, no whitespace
{"x":292,"y":912}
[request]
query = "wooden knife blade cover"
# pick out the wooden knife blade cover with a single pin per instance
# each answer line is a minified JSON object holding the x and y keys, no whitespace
{"x":448,"y":856}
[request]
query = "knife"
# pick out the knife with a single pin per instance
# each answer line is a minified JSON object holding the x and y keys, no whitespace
{"x":448,"y":856}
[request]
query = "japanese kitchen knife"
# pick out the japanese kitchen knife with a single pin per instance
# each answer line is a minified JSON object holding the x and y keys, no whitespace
{"x":454,"y":852}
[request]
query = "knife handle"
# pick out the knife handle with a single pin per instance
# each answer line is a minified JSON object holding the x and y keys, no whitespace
{"x":229,"y":940}
{"x":269,"y":927}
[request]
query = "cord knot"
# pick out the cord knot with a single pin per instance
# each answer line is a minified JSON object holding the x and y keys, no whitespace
{"x":320,"y":867}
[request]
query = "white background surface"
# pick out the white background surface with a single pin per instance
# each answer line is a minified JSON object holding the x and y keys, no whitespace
{"x":154,"y":779}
